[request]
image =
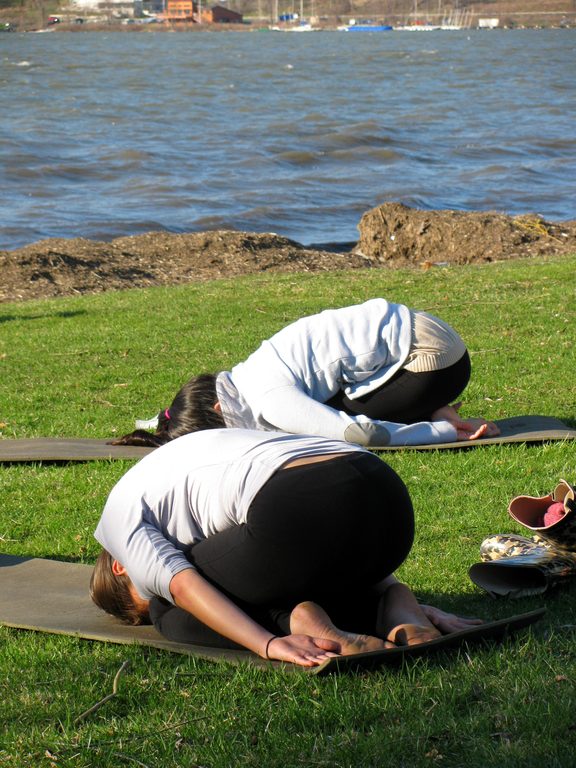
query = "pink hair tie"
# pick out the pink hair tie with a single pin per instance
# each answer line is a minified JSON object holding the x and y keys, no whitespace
{"x":167,"y":413}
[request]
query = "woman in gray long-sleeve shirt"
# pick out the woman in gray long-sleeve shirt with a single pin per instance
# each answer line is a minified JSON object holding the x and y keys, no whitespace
{"x":265,"y":540}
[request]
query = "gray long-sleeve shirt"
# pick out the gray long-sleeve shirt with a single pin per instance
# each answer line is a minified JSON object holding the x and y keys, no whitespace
{"x":190,"y":489}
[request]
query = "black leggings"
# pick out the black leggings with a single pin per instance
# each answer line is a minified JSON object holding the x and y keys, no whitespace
{"x":409,"y":397}
{"x":326,"y":531}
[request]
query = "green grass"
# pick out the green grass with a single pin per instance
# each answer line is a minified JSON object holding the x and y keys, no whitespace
{"x":87,"y":366}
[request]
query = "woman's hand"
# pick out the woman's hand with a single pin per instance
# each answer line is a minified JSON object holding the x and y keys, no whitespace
{"x":194,"y":594}
{"x":472,"y":429}
{"x":466,"y":429}
{"x":448,"y":622}
{"x":301,"y":649}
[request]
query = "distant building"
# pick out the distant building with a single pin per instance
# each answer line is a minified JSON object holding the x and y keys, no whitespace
{"x":171,"y":10}
{"x":180,"y":10}
{"x":488,"y":23}
{"x":218,"y":14}
{"x":188,"y":11}
{"x":89,"y":5}
{"x":153,"y":7}
{"x":114,"y":8}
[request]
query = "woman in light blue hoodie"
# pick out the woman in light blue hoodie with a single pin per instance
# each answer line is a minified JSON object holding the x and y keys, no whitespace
{"x":374,"y":374}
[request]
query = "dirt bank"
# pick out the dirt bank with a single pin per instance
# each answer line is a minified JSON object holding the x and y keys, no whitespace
{"x":390,"y":236}
{"x":393,"y":234}
{"x":59,"y":267}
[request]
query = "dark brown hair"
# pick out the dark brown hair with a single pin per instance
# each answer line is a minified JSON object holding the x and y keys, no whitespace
{"x":111,"y":592}
{"x":191,"y":411}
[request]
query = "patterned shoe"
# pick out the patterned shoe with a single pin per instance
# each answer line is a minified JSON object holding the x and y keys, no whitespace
{"x":532,"y":512}
{"x":514,"y":566}
{"x":502,"y":545}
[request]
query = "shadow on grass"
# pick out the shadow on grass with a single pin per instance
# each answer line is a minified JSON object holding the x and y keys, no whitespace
{"x":559,"y":601}
{"x":480,"y":605}
{"x":39,"y":316}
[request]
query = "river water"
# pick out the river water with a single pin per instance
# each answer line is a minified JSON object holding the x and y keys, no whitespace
{"x":106,"y":134}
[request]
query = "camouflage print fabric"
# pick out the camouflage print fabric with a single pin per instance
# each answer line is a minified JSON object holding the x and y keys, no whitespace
{"x":509,"y":545}
{"x":523,"y":551}
{"x":515,"y":566}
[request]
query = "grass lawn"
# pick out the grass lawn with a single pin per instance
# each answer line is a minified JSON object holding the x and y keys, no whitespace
{"x":88,"y":366}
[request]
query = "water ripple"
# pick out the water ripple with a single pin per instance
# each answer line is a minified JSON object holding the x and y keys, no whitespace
{"x":104,"y":135}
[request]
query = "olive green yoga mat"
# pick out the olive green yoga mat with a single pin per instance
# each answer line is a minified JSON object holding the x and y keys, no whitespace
{"x":52,"y":596}
{"x":66,"y":449}
{"x":519,"y":429}
{"x":489,"y":631}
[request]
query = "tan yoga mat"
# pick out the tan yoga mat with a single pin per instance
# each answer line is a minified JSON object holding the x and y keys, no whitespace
{"x":519,"y":429}
{"x":52,"y":596}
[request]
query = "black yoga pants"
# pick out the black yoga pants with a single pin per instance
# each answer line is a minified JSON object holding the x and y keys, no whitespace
{"x":325,"y":531}
{"x":409,"y":397}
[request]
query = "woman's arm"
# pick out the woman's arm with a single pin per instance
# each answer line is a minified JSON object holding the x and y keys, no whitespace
{"x":290,"y":410}
{"x":194,"y":594}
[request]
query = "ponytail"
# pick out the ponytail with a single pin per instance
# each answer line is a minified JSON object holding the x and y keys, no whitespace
{"x":191,"y":410}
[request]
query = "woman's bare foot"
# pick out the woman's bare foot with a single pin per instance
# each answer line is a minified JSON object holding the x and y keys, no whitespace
{"x":413,"y":634}
{"x":401,"y":620}
{"x":308,"y":618}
